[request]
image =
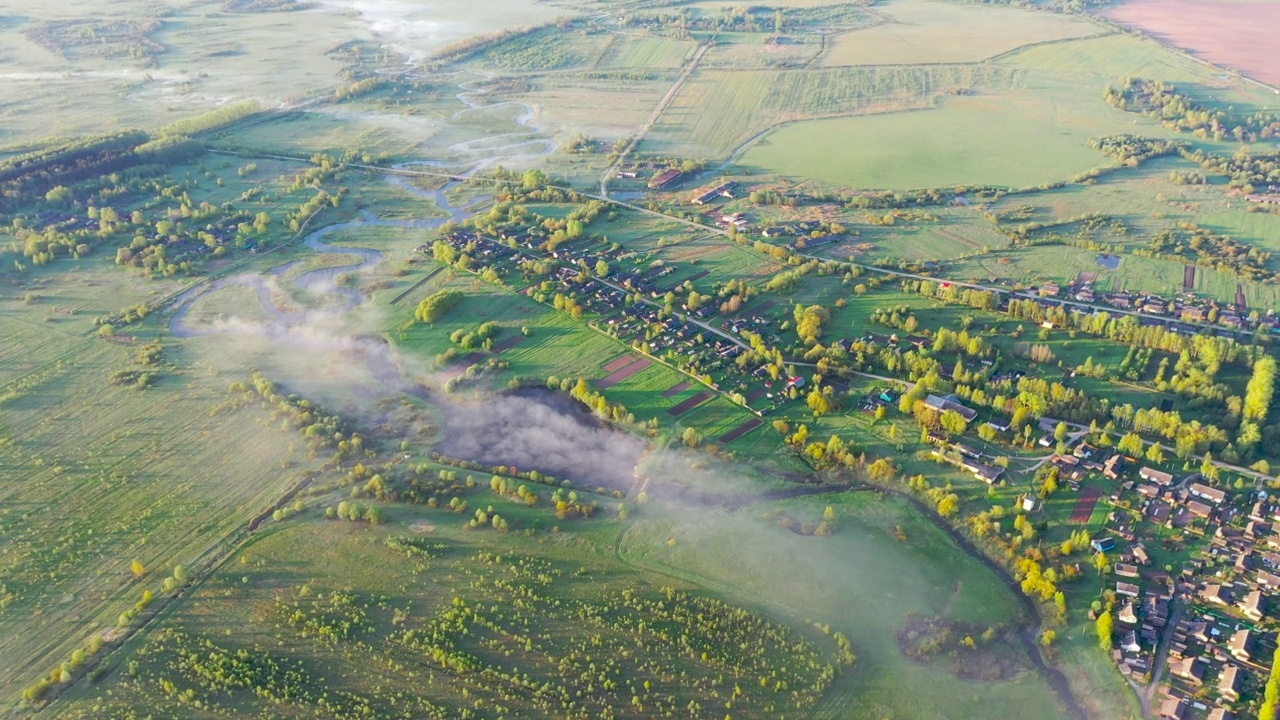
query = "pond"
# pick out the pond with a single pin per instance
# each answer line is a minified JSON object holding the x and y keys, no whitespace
{"x":1110,"y":262}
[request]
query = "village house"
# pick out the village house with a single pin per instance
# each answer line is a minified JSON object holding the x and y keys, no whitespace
{"x":1212,"y":593}
{"x":1204,"y":492}
{"x":952,"y":403}
{"x":1173,"y":709}
{"x":1268,"y":580}
{"x":1139,"y":552}
{"x":1190,"y":669}
{"x":1126,"y":570}
{"x":1252,"y":606}
{"x":1241,"y":644}
{"x":1229,"y":683}
{"x":1220,"y":713}
{"x":1156,"y":476}
{"x":1128,"y":589}
{"x":1127,"y":614}
{"x":1199,"y":509}
{"x":1112,"y":467}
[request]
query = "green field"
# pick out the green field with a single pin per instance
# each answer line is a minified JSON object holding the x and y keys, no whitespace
{"x":854,"y":580}
{"x":628,"y":52}
{"x":718,"y":111}
{"x":922,"y":31}
{"x":962,"y":142}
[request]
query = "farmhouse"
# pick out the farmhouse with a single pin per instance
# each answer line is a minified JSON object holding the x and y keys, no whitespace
{"x":665,"y":179}
{"x":721,"y":190}
{"x":952,"y":403}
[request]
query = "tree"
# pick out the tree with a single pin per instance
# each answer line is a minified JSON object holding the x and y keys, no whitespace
{"x":692,"y":437}
{"x":180,"y":573}
{"x":818,"y":402}
{"x":829,"y":513}
{"x":602,"y":268}
{"x":1130,"y":444}
{"x":1257,"y":396}
{"x":953,"y":422}
{"x":1155,"y":454}
{"x":948,"y":505}
{"x":1103,"y":625}
{"x":136,"y":568}
{"x":1060,"y":432}
{"x":882,"y":470}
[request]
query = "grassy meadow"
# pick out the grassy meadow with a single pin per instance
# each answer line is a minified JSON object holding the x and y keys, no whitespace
{"x":922,"y":31}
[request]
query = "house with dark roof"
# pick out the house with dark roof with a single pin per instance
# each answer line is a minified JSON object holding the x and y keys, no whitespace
{"x":952,"y":403}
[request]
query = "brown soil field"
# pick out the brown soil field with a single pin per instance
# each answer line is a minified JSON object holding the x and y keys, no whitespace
{"x":1238,"y":34}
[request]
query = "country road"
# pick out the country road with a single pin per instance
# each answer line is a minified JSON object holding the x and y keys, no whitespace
{"x":652,"y":119}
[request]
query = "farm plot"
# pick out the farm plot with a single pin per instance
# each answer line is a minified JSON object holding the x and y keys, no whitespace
{"x":995,"y":139}
{"x":717,"y":111}
{"x":547,"y":49}
{"x":1093,"y":61}
{"x":627,"y":51}
{"x":924,"y":31}
{"x":1237,"y":34}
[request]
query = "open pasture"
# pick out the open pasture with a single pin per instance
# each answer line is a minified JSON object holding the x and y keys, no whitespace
{"x":926,"y":31}
{"x":164,"y":475}
{"x":543,"y":50}
{"x":716,"y":111}
{"x":996,"y":139}
{"x":629,"y":51}
{"x":866,"y":581}
{"x":425,"y":580}
{"x":1092,"y":62}
{"x":749,"y":51}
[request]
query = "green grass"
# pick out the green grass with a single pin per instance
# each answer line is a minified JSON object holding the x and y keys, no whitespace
{"x":293,"y":568}
{"x":923,"y":32}
{"x":163,"y":475}
{"x":995,"y":140}
{"x":859,"y":580}
{"x":717,"y":111}
{"x":646,"y":52}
